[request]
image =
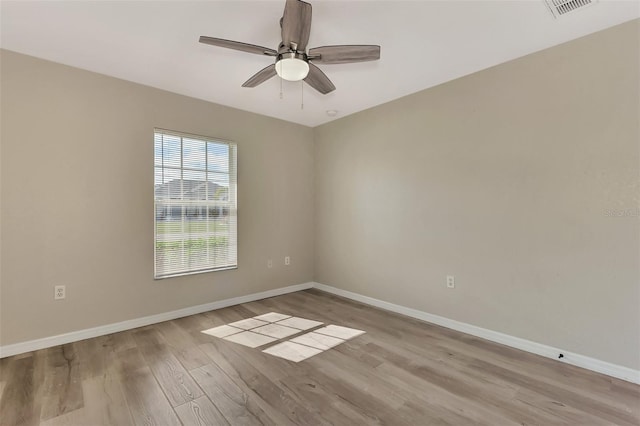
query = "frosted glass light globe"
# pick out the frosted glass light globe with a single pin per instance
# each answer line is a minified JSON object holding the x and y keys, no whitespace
{"x":292,"y":69}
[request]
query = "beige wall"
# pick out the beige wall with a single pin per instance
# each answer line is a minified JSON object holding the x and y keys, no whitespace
{"x":77,"y":199}
{"x":502,"y":178}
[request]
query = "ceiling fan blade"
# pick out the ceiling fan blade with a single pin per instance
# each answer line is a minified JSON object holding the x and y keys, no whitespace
{"x":319,"y":81}
{"x":344,"y":54}
{"x":236,"y":45}
{"x":296,"y":24}
{"x":261,"y":76}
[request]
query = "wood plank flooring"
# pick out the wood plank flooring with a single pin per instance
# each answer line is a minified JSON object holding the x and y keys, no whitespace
{"x":401,"y":372}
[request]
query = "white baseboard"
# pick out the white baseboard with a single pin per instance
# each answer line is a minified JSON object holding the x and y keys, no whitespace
{"x":578,"y":360}
{"x":74,"y":336}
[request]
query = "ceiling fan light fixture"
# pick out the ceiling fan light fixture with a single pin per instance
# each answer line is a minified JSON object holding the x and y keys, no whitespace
{"x":293,"y":61}
{"x":292,"y":67}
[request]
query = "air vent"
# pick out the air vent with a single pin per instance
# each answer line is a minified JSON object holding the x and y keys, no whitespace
{"x":562,"y":7}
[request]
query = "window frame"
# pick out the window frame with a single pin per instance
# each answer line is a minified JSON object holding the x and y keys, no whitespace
{"x":233,"y":205}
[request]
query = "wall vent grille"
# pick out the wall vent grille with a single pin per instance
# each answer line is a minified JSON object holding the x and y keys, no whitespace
{"x":562,"y":7}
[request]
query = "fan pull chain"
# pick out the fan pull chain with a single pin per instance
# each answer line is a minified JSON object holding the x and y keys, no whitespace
{"x":280,"y":87}
{"x":301,"y":94}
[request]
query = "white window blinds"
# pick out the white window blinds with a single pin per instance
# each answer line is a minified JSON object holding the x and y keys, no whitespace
{"x":195,"y":204}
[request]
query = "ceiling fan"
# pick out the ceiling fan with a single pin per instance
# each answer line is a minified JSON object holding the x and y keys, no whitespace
{"x":293,"y":62}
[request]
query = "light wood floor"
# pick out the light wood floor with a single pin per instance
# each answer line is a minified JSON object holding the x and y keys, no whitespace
{"x":401,"y":372}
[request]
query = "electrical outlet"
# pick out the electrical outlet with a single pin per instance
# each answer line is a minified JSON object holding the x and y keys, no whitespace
{"x":269,"y":263}
{"x":451,"y":281}
{"x":59,"y":292}
{"x":287,"y":260}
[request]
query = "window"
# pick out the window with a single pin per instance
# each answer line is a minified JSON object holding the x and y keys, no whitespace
{"x":195,"y":204}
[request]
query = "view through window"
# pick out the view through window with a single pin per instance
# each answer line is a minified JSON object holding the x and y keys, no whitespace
{"x":195,"y":204}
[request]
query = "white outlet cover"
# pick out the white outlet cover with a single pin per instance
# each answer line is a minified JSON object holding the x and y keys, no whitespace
{"x":451,"y":281}
{"x":59,"y":292}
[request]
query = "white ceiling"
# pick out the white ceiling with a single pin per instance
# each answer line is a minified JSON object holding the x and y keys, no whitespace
{"x":424,"y":43}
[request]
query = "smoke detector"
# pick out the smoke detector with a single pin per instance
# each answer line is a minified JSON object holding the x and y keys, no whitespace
{"x":562,"y":7}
